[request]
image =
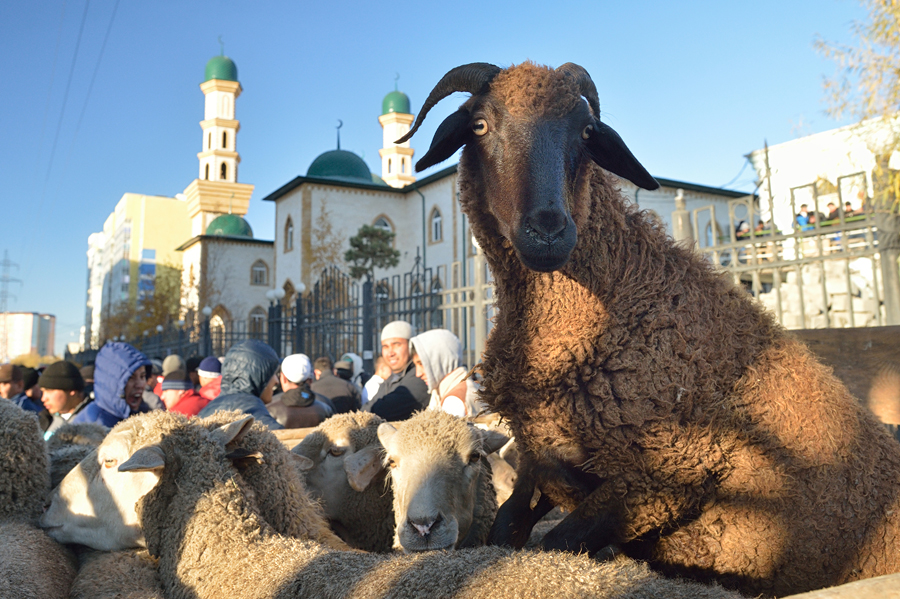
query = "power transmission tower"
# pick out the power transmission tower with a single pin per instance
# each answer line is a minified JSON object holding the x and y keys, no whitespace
{"x":5,"y":280}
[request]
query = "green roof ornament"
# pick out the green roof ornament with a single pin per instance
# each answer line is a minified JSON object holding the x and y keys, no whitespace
{"x":396,"y":101}
{"x":229,"y":225}
{"x":221,"y":67}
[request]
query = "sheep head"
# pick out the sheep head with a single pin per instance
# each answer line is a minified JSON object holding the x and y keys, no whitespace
{"x":531,"y":130}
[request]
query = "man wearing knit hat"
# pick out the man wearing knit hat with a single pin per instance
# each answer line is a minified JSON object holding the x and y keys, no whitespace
{"x":12,"y":387}
{"x":172,"y":363}
{"x":179,"y":396}
{"x":210,"y":373}
{"x":402,"y":394}
{"x":63,"y":395}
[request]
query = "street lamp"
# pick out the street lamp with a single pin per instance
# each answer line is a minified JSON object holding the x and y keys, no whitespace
{"x":279,"y":293}
{"x":159,"y":328}
{"x":300,"y":288}
{"x":206,"y":311}
{"x":270,"y":295}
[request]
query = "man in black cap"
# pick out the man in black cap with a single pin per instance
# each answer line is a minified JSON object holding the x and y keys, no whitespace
{"x":30,"y":380}
{"x":12,"y":387}
{"x":63,"y":395}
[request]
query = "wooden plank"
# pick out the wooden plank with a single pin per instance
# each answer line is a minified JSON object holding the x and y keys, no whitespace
{"x":867,"y":360}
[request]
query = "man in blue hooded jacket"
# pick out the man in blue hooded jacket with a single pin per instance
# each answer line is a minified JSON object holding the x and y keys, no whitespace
{"x":120,"y":376}
{"x":248,"y":379}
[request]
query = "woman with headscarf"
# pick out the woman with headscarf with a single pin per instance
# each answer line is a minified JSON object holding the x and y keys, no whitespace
{"x":436,"y":354}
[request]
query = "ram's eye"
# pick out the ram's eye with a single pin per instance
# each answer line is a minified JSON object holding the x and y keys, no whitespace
{"x":480,"y":127}
{"x":474,"y":458}
{"x":392,"y":463}
{"x":337,"y":451}
{"x":109,"y":462}
{"x":587,"y":132}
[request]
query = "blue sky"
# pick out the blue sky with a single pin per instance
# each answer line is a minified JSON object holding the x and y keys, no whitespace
{"x":691,"y":86}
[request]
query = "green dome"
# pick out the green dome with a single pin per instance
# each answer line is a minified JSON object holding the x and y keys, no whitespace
{"x":341,"y":165}
{"x":378,"y":180}
{"x":395,"y":102}
{"x":221,"y":67}
{"x":229,"y":225}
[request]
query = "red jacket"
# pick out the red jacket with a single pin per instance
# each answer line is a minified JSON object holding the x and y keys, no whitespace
{"x":190,"y":404}
{"x":212,"y":389}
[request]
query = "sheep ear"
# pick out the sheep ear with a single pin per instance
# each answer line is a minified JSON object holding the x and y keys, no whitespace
{"x":608,"y":150}
{"x":145,"y":458}
{"x":491,"y":441}
{"x":233,"y":432}
{"x":449,"y":137}
{"x":362,"y":466}
{"x":303,"y":463}
{"x":386,"y":432}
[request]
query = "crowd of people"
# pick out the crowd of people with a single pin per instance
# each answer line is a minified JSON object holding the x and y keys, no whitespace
{"x":413,"y":373}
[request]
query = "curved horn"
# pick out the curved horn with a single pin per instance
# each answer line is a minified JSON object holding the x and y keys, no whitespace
{"x":585,"y":84}
{"x":471,"y":78}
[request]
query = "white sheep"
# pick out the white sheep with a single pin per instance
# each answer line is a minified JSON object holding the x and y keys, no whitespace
{"x":212,"y":543}
{"x":444,"y":495}
{"x":342,"y":468}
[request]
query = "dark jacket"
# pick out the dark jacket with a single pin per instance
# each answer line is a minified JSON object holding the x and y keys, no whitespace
{"x":400,"y":396}
{"x":300,"y":408}
{"x":343,"y":394}
{"x":247,"y":369}
{"x":50,"y":422}
{"x":25,"y":402}
{"x":115,"y":364}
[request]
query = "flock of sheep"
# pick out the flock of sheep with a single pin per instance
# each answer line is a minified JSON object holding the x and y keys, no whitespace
{"x":684,"y":433}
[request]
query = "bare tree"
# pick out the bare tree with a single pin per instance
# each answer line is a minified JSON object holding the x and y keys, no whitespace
{"x":327,"y":244}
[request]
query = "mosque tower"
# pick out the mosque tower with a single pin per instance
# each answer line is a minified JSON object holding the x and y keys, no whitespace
{"x":217,"y":191}
{"x":396,"y":159}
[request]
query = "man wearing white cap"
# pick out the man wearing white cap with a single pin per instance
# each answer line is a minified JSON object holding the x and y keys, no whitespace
{"x":298,"y":406}
{"x":402,"y":394}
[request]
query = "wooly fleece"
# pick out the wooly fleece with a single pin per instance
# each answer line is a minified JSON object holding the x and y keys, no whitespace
{"x":438,"y":434}
{"x":651,"y":395}
{"x":32,"y":565}
{"x":364,"y":519}
{"x":24,"y":471}
{"x":128,"y":574}
{"x":211,"y":543}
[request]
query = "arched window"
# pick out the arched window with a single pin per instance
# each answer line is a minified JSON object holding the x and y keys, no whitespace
{"x":224,"y":140}
{"x":402,"y":165}
{"x":288,"y":235}
{"x":382,"y":292}
{"x":389,"y":166}
{"x":437,"y":226}
{"x":259,"y":273}
{"x":206,"y":175}
{"x":209,"y":142}
{"x":383,"y":223}
{"x":257,"y":323}
{"x":223,"y":172}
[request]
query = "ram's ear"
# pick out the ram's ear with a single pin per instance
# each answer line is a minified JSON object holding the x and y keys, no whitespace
{"x":144,"y":459}
{"x":233,"y":432}
{"x":608,"y":150}
{"x":453,"y":134}
{"x":362,"y":467}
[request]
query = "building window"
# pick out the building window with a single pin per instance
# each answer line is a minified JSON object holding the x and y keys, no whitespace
{"x":257,"y":323}
{"x":209,"y":143}
{"x":259,"y":273}
{"x":383,"y":223}
{"x":389,"y":166}
{"x":223,"y":172}
{"x":288,"y":235}
{"x":402,"y":165}
{"x":224,"y":140}
{"x":437,"y":226}
{"x":206,"y":175}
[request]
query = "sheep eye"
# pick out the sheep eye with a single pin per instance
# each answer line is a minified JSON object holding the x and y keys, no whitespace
{"x":480,"y":127}
{"x":337,"y":451}
{"x":587,"y":132}
{"x":474,"y":458}
{"x":392,"y":464}
{"x":109,"y":463}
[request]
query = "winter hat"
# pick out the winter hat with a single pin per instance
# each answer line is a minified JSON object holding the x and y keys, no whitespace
{"x":10,"y":373}
{"x":297,"y":368}
{"x":399,"y":329}
{"x":173,"y":363}
{"x":62,"y":375}
{"x":87,"y":372}
{"x":210,"y":368}
{"x":193,"y":363}
{"x":177,"y":380}
{"x":30,"y":376}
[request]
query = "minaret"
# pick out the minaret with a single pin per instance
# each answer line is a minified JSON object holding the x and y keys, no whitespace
{"x":217,"y":191}
{"x":396,"y":160}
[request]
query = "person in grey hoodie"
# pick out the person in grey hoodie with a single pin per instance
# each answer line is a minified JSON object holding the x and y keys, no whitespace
{"x":248,"y":380}
{"x":436,"y":354}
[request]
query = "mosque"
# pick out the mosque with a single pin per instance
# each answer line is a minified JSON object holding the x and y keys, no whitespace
{"x":230,"y":271}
